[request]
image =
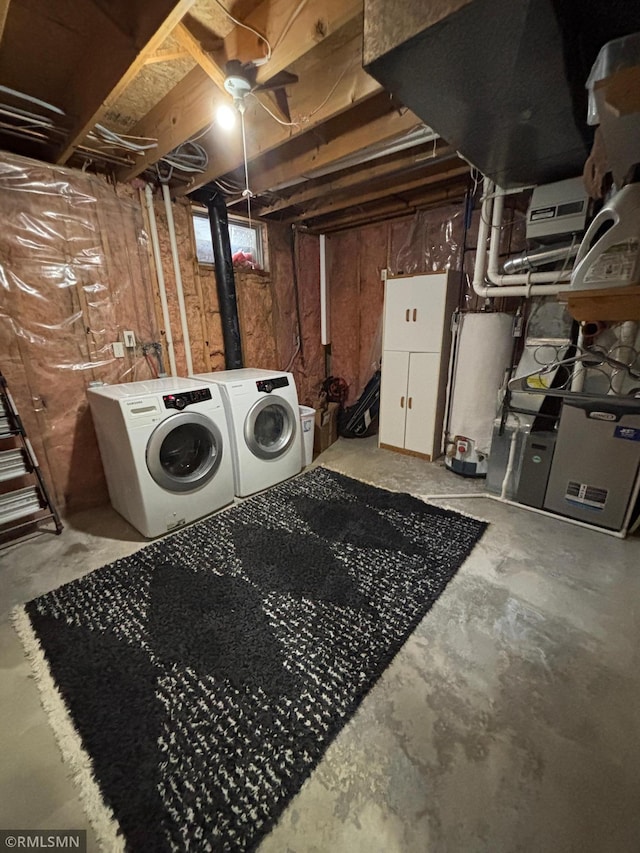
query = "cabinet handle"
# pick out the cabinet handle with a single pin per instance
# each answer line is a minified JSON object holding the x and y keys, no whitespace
{"x":409,"y":401}
{"x":406,"y":316}
{"x":415,"y":314}
{"x":402,"y":402}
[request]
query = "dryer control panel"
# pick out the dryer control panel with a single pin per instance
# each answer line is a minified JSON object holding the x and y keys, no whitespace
{"x":186,"y":398}
{"x":269,"y":385}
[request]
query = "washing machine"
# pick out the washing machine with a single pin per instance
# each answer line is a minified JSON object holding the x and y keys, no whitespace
{"x":264,"y":425}
{"x":165,"y":450}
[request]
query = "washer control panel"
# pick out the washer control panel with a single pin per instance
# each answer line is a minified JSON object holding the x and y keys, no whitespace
{"x":186,"y":398}
{"x":269,"y":385}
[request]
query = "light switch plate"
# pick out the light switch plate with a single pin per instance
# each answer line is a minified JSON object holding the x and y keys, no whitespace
{"x":129,"y":339}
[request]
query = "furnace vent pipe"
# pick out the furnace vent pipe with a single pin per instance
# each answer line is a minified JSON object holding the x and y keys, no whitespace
{"x":495,"y":284}
{"x":225,"y":281}
{"x":526,"y":261}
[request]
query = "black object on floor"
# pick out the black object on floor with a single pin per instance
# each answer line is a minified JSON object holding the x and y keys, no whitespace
{"x":207,"y":673}
{"x":361,"y":419}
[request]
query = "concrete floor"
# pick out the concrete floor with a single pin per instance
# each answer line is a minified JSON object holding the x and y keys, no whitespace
{"x":510,"y":721}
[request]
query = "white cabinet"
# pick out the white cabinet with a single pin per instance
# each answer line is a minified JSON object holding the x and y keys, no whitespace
{"x":415,"y":357}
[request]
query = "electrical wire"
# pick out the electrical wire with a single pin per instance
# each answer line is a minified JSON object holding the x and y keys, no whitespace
{"x":31,"y":100}
{"x":122,"y":140}
{"x":332,"y":90}
{"x":289,"y":23}
{"x":273,"y":115}
{"x":252,"y":30}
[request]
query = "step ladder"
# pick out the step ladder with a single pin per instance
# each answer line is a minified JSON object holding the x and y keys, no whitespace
{"x":25,"y":506}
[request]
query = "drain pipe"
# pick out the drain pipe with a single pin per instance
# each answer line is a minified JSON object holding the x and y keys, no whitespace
{"x":522,"y":284}
{"x":155,"y":244}
{"x":178,"y":277}
{"x":225,"y":281}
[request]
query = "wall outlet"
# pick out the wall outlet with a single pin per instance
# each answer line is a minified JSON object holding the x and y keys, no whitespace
{"x":129,"y":339}
{"x":118,"y":349}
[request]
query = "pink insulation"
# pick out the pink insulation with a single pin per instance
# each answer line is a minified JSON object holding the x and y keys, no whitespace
{"x":74,"y":273}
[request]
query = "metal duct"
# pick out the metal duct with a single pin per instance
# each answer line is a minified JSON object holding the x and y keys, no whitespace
{"x":529,"y":260}
{"x":225,"y":281}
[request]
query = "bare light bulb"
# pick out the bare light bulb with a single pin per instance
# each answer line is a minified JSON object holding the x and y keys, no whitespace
{"x":226,"y":116}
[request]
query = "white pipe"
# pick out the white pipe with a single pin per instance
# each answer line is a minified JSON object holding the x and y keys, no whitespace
{"x":512,"y":457}
{"x":619,"y":534}
{"x":325,"y":319}
{"x":520,"y":284}
{"x":155,"y":243}
{"x":578,"y":373}
{"x":451,"y":379}
{"x":176,"y":269}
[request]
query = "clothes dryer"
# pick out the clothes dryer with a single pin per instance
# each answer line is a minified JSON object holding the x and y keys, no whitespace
{"x":264,"y":425}
{"x":165,"y":450}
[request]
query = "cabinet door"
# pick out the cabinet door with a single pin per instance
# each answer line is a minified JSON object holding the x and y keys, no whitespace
{"x":414,"y":313}
{"x":393,"y":397}
{"x":421,"y":403}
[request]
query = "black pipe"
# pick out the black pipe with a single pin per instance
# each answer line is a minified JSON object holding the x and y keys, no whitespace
{"x":225,"y":281}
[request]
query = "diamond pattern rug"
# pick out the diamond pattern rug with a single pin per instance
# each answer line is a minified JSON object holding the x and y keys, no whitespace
{"x":195,"y":685}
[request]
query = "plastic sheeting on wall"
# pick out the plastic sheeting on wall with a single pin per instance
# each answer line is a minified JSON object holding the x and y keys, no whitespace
{"x":74,"y":273}
{"x":430,"y":241}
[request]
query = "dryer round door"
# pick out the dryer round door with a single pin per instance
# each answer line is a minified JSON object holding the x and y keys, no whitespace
{"x":184,"y":452}
{"x":270,"y":427}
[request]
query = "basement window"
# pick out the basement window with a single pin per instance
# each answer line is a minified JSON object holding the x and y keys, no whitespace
{"x":246,"y":242}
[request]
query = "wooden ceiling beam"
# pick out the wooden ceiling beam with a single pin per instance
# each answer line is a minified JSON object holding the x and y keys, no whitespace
{"x":4,"y":11}
{"x":113,"y":63}
{"x":292,"y":29}
{"x":340,"y":202}
{"x":190,"y":43}
{"x":166,"y":56}
{"x":392,"y":209}
{"x":320,"y":153}
{"x":355,"y":176}
{"x":190,"y":105}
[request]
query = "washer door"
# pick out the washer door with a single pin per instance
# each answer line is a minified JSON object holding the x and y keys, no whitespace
{"x":270,"y":427}
{"x":184,"y":452}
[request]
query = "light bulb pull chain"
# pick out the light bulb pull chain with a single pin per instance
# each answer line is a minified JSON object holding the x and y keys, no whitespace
{"x":247,"y":191}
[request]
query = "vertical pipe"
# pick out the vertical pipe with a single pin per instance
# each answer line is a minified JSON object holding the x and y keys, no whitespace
{"x":577,"y":376}
{"x":161,"y":286}
{"x":325,"y":320}
{"x":178,"y":276}
{"x":225,"y":281}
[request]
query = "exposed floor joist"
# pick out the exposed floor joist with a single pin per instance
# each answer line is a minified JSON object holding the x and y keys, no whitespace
{"x":374,"y":122}
{"x":190,"y":43}
{"x":191,"y":105}
{"x":115,"y":62}
{"x":403,"y":162}
{"x":4,"y":10}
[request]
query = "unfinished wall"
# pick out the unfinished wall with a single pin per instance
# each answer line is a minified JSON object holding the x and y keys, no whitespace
{"x":431,"y":240}
{"x":294,"y":261}
{"x":77,"y":269}
{"x":74,"y":272}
